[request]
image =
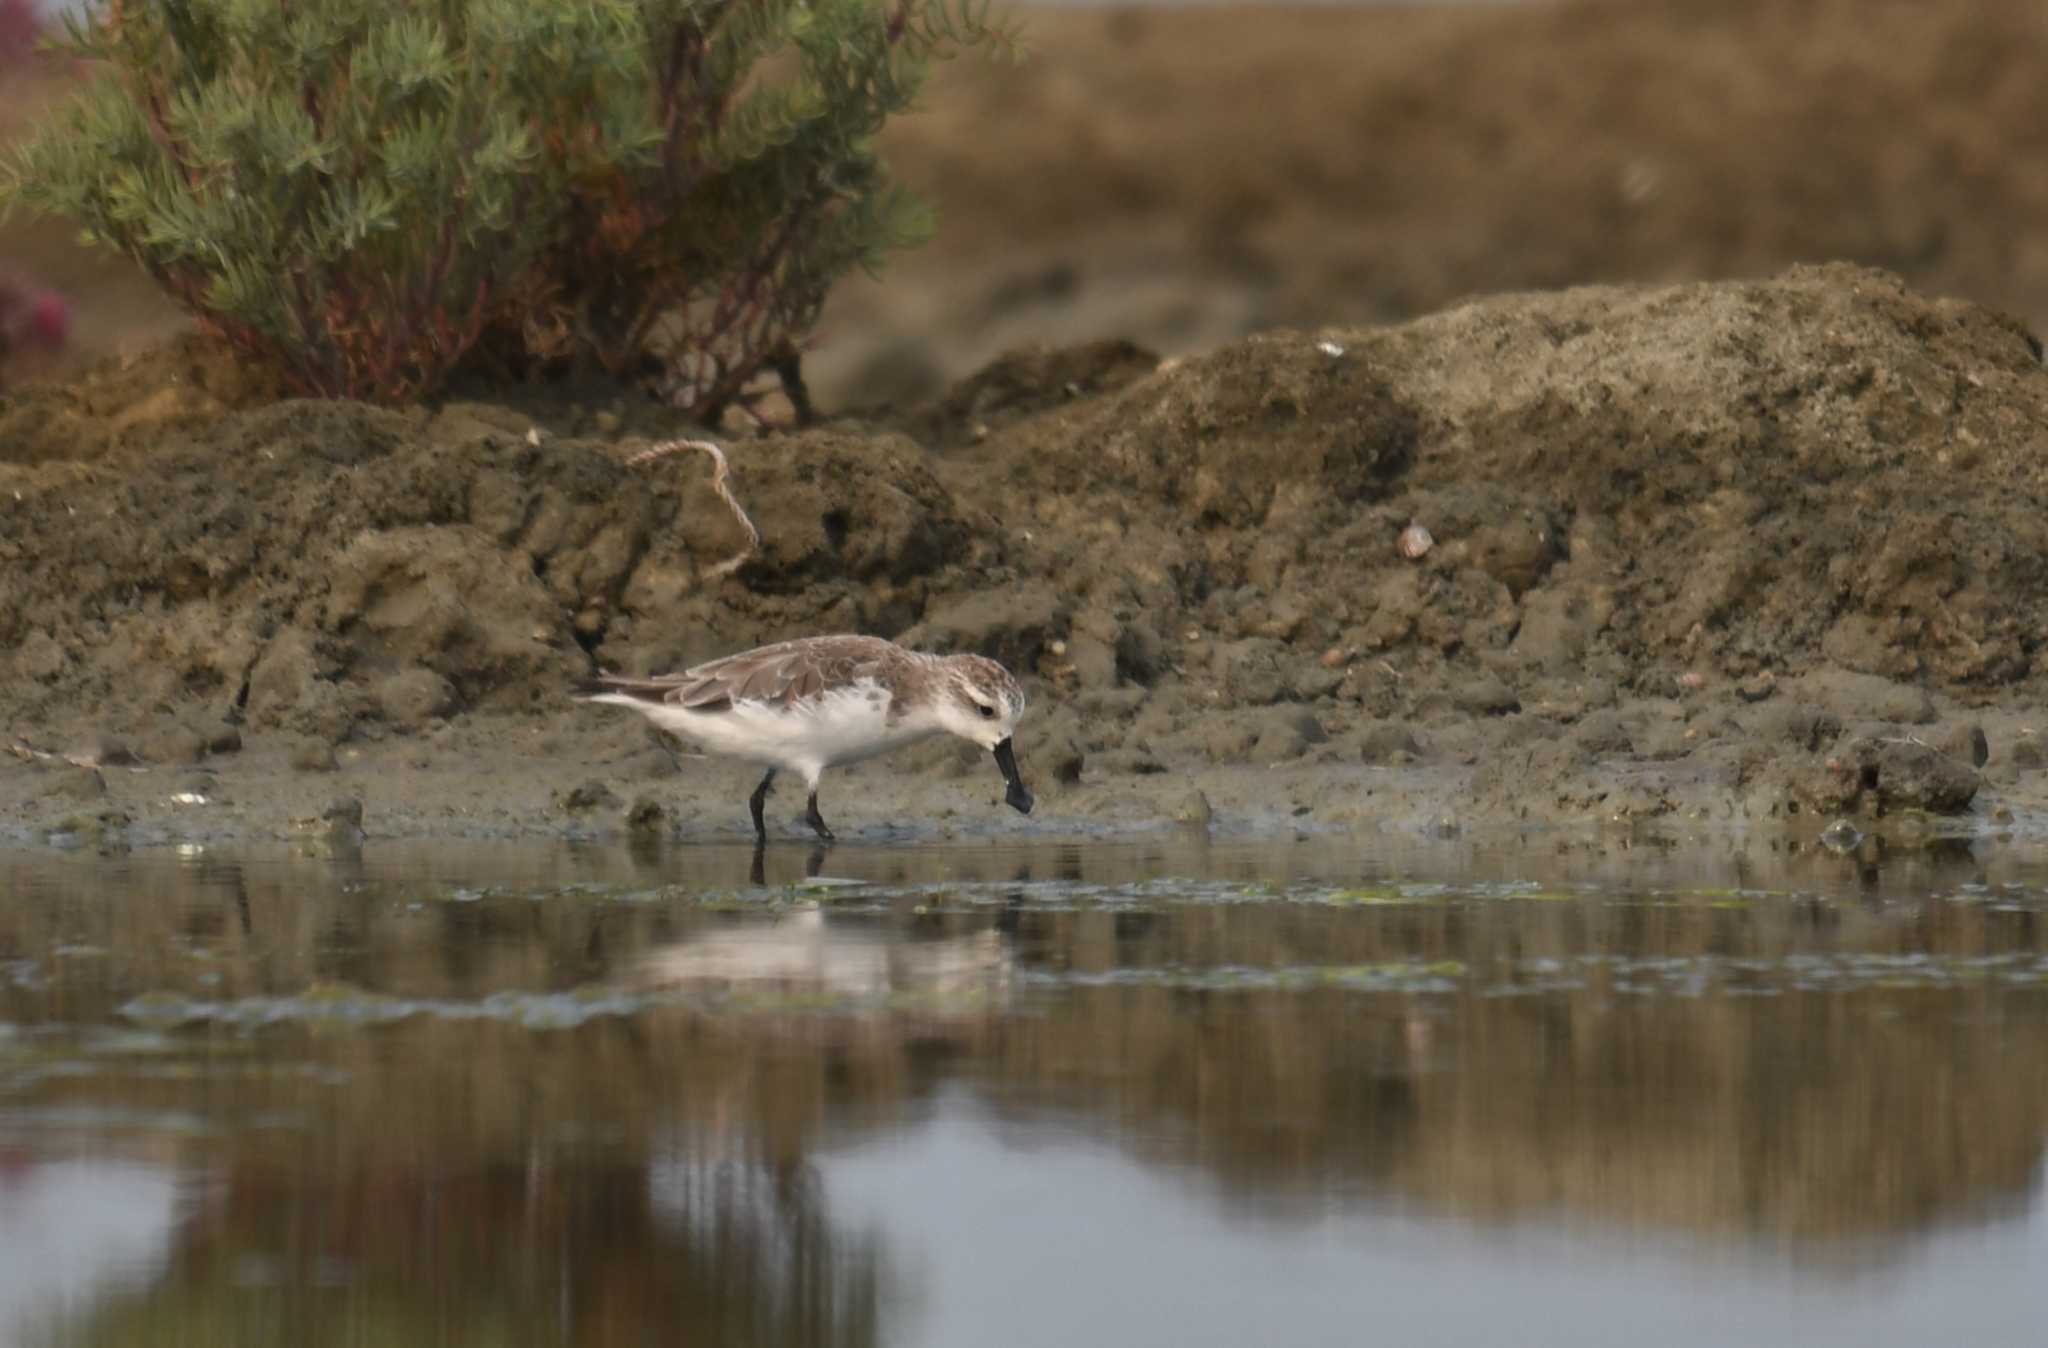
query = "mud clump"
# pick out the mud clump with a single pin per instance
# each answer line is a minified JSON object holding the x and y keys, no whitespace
{"x":1233,"y":438}
{"x":1021,"y":384}
{"x":1880,"y":774}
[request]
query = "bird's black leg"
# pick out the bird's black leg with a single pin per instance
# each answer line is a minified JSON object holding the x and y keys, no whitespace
{"x":815,"y":862}
{"x":760,"y":798}
{"x":816,"y":820}
{"x":758,"y":873}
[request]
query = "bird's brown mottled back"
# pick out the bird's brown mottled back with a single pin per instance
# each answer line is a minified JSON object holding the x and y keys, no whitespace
{"x":781,"y":675}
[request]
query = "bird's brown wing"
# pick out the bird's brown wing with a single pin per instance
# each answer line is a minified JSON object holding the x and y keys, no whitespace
{"x":779,"y":675}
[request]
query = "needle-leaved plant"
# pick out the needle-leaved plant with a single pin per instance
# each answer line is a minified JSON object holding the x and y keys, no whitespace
{"x":376,"y":194}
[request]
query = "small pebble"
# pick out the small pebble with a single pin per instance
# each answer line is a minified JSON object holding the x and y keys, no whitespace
{"x":343,"y":812}
{"x":647,"y":815}
{"x":1967,"y":744}
{"x":98,"y":827}
{"x":113,"y":753}
{"x":78,"y":784}
{"x":1416,"y":541}
{"x":309,"y":755}
{"x":1841,"y":836}
{"x":203,"y":782}
{"x":174,"y":743}
{"x":588,"y":796}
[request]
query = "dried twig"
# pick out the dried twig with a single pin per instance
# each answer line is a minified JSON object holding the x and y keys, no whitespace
{"x":28,"y":753}
{"x":718,"y":472}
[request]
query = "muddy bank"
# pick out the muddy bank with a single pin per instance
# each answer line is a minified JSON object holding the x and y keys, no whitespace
{"x":1753,"y":554}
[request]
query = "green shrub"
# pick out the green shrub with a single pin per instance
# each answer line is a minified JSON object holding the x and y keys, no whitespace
{"x":372,"y":193}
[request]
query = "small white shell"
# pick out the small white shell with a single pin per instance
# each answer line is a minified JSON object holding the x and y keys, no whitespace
{"x":1330,"y":349}
{"x":1415,"y":541}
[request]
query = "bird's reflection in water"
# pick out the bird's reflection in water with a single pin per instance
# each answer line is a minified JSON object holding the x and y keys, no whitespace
{"x":814,"y":862}
{"x":808,"y":955}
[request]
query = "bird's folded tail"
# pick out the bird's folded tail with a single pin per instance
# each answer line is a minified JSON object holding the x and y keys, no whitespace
{"x":619,"y":688}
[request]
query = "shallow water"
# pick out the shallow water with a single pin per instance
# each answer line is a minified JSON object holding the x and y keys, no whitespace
{"x":1163,"y":1091}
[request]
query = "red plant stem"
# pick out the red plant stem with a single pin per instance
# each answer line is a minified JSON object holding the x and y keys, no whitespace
{"x":685,"y":54}
{"x":406,"y":334}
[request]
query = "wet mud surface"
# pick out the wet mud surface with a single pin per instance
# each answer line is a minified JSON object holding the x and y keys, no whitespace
{"x":1728,"y":554}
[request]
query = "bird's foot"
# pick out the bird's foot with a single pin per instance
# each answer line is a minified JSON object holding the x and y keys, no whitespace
{"x":817,"y":821}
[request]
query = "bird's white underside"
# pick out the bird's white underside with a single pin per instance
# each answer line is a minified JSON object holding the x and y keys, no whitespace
{"x":843,"y":725}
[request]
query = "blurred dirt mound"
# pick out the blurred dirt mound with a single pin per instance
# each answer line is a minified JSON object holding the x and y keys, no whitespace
{"x":1188,"y":175}
{"x":1403,"y":156}
{"x":1632,"y":493}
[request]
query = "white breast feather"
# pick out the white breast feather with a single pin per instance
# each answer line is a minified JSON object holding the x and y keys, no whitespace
{"x":841,"y":725}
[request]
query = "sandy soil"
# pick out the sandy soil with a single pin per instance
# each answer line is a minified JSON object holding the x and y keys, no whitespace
{"x":1752,"y":553}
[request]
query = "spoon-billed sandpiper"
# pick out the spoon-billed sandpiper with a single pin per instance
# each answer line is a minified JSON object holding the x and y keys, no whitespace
{"x":805,"y":705}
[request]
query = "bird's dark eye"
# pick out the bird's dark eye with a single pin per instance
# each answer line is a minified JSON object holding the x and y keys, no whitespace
{"x":988,"y":713}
